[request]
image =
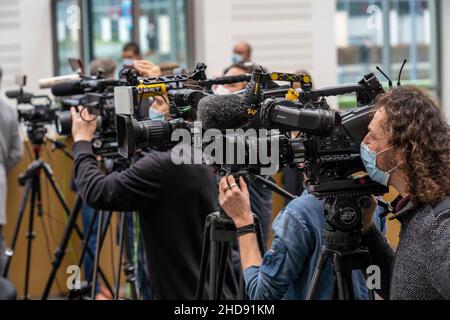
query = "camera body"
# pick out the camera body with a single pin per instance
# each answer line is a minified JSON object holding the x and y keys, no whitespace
{"x":134,"y":133}
{"x":329,"y":143}
{"x":95,"y":94}
{"x":39,"y":114}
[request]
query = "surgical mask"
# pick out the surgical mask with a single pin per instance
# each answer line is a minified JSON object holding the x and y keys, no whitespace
{"x":369,"y":159}
{"x":127,"y":63}
{"x":221,"y":90}
{"x":154,"y":114}
{"x":237,"y":58}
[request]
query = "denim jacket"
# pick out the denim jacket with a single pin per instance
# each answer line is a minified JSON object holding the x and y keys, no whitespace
{"x":287,"y":268}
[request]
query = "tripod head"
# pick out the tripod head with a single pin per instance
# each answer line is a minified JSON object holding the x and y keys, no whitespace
{"x":343,"y":214}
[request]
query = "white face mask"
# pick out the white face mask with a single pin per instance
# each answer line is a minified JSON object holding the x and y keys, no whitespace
{"x":221,"y":90}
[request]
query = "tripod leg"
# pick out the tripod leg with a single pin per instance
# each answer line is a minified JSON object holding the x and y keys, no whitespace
{"x":121,"y":244}
{"x":315,"y":279}
{"x":129,"y":268}
{"x":370,"y":292}
{"x":259,"y":235}
{"x":23,"y":204}
{"x":88,"y":237}
{"x":97,"y":254}
{"x":203,"y":261}
{"x":30,"y":234}
{"x":348,"y":285}
{"x":100,"y":239}
{"x":87,"y":250}
{"x":214,"y":255}
{"x":224,"y":254}
{"x":339,"y":278}
{"x":49,"y":175}
{"x":61,"y":250}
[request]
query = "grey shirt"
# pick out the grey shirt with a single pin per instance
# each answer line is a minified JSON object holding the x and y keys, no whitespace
{"x":11,"y":151}
{"x":420,"y":267}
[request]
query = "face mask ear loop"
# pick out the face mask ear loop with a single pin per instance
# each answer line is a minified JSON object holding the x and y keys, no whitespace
{"x":384,"y":150}
{"x":394,"y":168}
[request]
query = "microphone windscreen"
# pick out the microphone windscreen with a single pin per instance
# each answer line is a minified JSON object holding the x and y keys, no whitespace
{"x":67,"y":89}
{"x":50,"y":82}
{"x":222,"y":112}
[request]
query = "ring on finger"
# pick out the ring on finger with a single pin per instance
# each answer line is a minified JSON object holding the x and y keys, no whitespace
{"x":232,"y":186}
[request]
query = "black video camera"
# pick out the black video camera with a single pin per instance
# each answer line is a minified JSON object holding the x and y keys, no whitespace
{"x":135,"y":133}
{"x":329,"y":142}
{"x":97,"y":96}
{"x":37,"y":115}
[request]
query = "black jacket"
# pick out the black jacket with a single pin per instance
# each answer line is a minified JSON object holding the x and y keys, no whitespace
{"x":173,"y":201}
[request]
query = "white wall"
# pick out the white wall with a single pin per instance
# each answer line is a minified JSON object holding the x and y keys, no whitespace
{"x":286,"y":35}
{"x":445,"y":55}
{"x":25,"y":42}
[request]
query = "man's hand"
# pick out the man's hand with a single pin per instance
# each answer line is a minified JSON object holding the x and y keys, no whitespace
{"x":367,"y":214}
{"x":235,"y":200}
{"x":146,"y":68}
{"x":83,"y":124}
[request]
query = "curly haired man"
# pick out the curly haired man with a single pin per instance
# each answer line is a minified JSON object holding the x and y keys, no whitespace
{"x":408,"y":147}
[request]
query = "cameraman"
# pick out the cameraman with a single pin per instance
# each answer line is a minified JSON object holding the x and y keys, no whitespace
{"x":408,"y":147}
{"x":286,"y":270}
{"x":173,"y":201}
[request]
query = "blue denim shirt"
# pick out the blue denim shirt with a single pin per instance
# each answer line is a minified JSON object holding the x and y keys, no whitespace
{"x":287,"y":268}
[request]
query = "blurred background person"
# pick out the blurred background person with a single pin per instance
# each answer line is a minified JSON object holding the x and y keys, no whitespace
{"x":131,"y":52}
{"x":107,"y":67}
{"x":11,"y":152}
{"x":242,"y":52}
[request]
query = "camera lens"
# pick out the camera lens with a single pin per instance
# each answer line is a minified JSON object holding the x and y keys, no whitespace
{"x":63,"y":123}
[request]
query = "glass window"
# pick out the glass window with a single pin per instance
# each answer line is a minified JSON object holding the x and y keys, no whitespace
{"x":68,"y":24}
{"x":364,"y":27}
{"x":359,"y":38}
{"x":162,"y":31}
{"x":160,"y":28}
{"x":112,"y":27}
{"x":410,"y":37}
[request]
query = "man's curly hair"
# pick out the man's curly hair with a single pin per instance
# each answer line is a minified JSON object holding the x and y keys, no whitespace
{"x":419,"y":131}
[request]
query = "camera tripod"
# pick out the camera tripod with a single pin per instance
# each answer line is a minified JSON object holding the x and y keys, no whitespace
{"x":218,"y":236}
{"x":342,"y":238}
{"x":61,"y":250}
{"x":124,"y":253}
{"x":101,"y":234}
{"x":31,"y":179}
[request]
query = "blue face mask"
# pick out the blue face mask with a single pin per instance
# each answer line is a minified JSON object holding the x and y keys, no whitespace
{"x":127,"y":63}
{"x":154,"y":114}
{"x":369,"y":159}
{"x":236,"y":58}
